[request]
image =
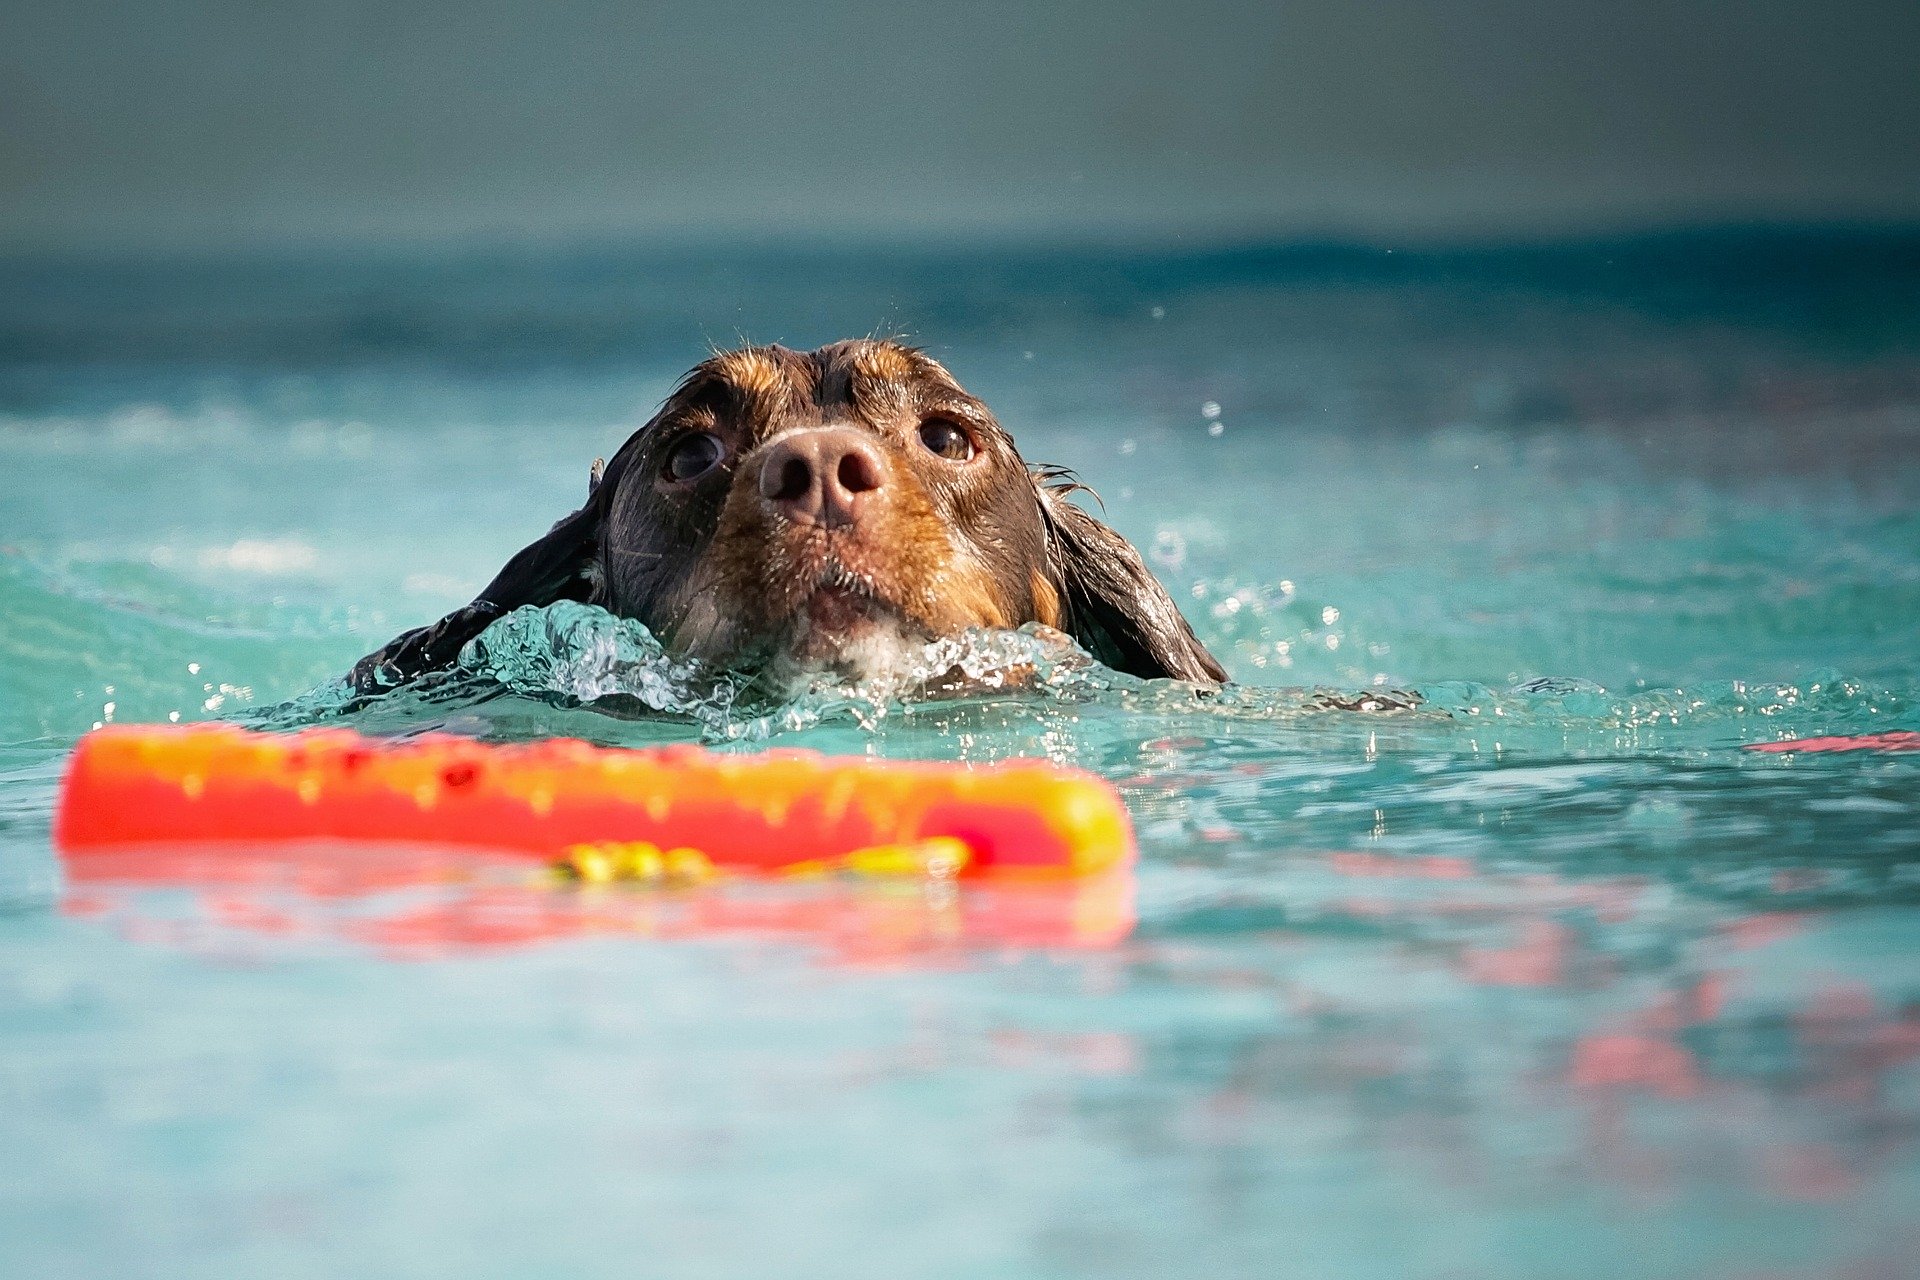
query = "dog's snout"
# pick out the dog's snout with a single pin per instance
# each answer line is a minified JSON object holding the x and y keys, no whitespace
{"x":822,"y":476}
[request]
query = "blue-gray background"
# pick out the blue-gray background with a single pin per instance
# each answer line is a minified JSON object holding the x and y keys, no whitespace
{"x":202,"y":126}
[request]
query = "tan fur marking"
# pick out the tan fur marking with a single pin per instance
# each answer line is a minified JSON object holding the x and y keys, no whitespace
{"x":968,"y":599}
{"x":874,"y":378}
{"x":1046,"y":601}
{"x":882,"y":360}
{"x":927,"y":367}
{"x":754,"y":374}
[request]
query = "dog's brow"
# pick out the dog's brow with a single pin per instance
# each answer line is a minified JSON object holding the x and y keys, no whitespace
{"x":756,"y":377}
{"x":886,"y":378}
{"x":883,"y":361}
{"x":880,"y":395}
{"x":961,"y":409}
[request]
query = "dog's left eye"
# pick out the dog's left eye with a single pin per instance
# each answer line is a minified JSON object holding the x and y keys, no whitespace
{"x":947,"y":440}
{"x":693,"y":456}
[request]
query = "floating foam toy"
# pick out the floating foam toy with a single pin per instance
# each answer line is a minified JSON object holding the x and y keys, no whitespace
{"x":599,"y":813}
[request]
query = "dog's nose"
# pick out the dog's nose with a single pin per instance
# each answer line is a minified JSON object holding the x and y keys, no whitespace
{"x":822,"y":476}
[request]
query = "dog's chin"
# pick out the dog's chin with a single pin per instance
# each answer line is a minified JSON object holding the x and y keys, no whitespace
{"x":846,"y":634}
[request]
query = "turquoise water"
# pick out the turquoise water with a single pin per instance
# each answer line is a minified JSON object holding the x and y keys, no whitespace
{"x":1548,"y":977}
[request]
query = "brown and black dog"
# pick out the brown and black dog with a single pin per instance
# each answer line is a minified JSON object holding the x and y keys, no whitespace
{"x":789,"y":511}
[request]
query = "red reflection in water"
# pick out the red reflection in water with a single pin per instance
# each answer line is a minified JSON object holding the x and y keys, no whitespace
{"x":1627,"y":1059}
{"x":1088,"y":1053}
{"x":1804,"y":1094}
{"x":1841,"y":1046}
{"x":1539,"y":959}
{"x":1432,"y":867}
{"x":412,"y":902}
{"x":1896,"y":740}
{"x":1810,"y":1172}
{"x":1763,"y":928}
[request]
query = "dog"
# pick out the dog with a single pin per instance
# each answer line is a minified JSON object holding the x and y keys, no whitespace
{"x":827,"y":511}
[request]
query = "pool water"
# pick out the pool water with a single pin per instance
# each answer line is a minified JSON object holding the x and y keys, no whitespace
{"x":1550,"y":976}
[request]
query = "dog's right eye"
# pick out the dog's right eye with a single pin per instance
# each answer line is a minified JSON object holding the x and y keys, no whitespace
{"x":693,"y":456}
{"x":946,"y":439}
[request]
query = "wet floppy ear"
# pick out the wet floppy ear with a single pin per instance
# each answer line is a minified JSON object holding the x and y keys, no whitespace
{"x":559,"y":566}
{"x":1113,"y":604}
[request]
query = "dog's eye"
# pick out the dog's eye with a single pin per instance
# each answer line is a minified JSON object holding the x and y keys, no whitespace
{"x":947,"y":440}
{"x":693,"y":456}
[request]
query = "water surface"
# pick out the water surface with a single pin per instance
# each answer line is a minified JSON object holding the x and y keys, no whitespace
{"x":1550,"y":977}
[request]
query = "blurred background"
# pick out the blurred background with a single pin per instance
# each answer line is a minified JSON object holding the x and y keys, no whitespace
{"x":215,"y":126}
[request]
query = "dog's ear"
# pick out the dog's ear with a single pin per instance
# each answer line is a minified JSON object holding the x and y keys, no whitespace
{"x":559,"y":566}
{"x":1113,"y":604}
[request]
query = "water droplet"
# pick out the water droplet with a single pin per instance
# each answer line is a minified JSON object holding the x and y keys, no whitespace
{"x":1169,"y":549}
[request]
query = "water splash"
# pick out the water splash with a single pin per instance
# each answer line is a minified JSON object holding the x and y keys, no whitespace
{"x":573,"y":655}
{"x":587,"y":655}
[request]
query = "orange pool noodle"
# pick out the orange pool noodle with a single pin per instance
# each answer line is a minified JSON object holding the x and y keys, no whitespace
{"x":772,"y":812}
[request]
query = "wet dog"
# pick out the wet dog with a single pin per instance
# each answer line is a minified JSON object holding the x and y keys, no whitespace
{"x":791,"y":511}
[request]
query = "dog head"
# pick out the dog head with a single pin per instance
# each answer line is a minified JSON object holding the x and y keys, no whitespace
{"x":831,"y":510}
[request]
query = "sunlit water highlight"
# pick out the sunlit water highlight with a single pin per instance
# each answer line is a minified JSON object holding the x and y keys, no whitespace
{"x":1537,"y":972}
